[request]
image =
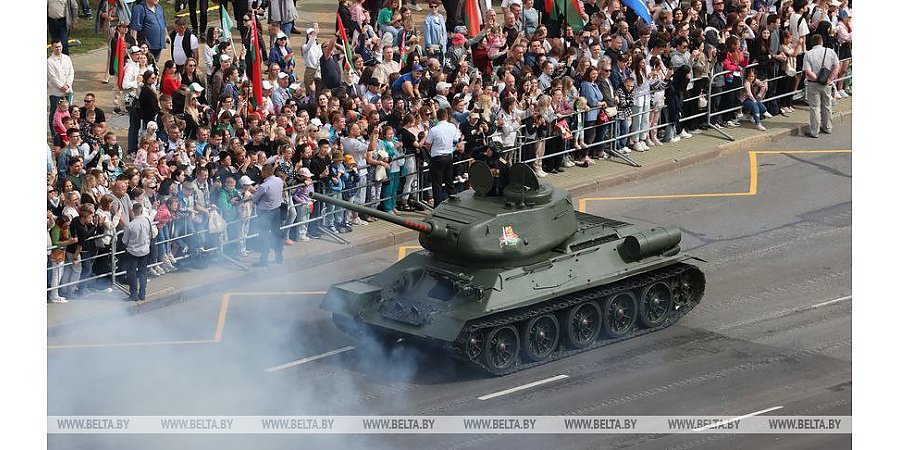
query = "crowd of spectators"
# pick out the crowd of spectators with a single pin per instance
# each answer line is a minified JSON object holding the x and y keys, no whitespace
{"x":397,"y":107}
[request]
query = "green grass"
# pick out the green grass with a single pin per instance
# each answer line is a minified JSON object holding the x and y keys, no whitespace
{"x":88,"y":40}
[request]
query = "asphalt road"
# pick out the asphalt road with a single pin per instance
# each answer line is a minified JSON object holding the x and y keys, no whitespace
{"x":773,"y":330}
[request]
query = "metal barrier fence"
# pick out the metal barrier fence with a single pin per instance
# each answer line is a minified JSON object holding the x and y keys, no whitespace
{"x":114,"y":254}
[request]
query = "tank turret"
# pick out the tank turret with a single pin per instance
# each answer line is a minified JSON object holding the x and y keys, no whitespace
{"x":519,"y":227}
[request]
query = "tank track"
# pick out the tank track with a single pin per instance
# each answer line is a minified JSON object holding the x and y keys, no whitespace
{"x":637,"y":282}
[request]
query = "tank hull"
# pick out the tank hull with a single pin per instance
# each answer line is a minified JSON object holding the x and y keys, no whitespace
{"x":504,"y":319}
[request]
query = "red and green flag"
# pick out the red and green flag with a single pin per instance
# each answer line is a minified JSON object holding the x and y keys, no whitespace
{"x":348,"y":49}
{"x":571,"y":11}
{"x":254,"y":66}
{"x":473,"y":15}
{"x":118,"y":60}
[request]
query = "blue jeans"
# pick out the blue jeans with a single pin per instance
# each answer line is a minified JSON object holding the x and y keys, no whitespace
{"x":756,"y":109}
{"x":302,"y":216}
{"x":330,"y":212}
{"x":623,"y":130}
{"x":58,"y":29}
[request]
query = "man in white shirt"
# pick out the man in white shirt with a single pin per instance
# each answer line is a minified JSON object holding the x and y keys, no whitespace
{"x":818,"y":95}
{"x":60,"y":76}
{"x":179,"y":46}
{"x":136,"y":238}
{"x":312,"y":53}
{"x":441,"y":142}
{"x":387,"y":66}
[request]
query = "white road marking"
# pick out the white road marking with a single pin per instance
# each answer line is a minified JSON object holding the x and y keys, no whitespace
{"x":719,"y":424}
{"x":783,"y":313}
{"x":831,"y":302}
{"x":310,"y":359}
{"x":522,"y":387}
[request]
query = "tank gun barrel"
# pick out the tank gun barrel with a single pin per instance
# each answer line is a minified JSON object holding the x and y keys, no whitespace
{"x":423,"y":227}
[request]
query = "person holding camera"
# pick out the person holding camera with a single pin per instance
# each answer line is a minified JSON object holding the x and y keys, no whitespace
{"x":820,"y":67}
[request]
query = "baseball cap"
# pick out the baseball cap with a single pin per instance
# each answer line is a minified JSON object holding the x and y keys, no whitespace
{"x":310,"y":30}
{"x":266,"y":85}
{"x":135,"y":49}
{"x":316,"y":121}
{"x":417,"y":68}
{"x":245,"y":181}
{"x":281,"y":35}
{"x":835,"y":3}
{"x":282,"y":75}
{"x":196,"y":87}
{"x":349,"y":160}
{"x":843,"y":14}
{"x":442,"y":85}
{"x":305,"y":172}
{"x":224,"y":58}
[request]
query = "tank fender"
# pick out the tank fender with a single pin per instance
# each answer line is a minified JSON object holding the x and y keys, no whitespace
{"x":648,"y":243}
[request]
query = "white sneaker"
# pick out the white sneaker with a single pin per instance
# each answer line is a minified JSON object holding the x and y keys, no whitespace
{"x":695,"y":131}
{"x":685,"y":135}
{"x":739,"y":117}
{"x":540,"y":173}
{"x":843,"y":93}
{"x":650,"y":143}
{"x":760,"y":127}
{"x":624,"y":150}
{"x":657,"y":141}
{"x":639,"y":148}
{"x":675,"y":139}
{"x":767,"y":115}
{"x":306,"y":238}
{"x":732,"y":124}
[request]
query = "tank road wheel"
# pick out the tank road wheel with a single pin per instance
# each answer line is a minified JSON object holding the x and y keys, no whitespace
{"x":474,"y":344}
{"x":656,"y":302}
{"x":540,"y":336}
{"x":583,"y":323}
{"x":688,"y":288}
{"x":620,"y":314}
{"x":502,"y":348}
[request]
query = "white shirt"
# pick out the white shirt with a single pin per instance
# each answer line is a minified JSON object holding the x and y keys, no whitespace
{"x":312,"y":52}
{"x":59,"y":72}
{"x":358,"y":148}
{"x":442,"y":137}
{"x":178,"y":49}
{"x":137,"y":236}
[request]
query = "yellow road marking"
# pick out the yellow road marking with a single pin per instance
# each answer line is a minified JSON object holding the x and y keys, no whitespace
{"x":220,"y":324}
{"x":404,"y":250}
{"x":187,"y":12}
{"x":751,"y":191}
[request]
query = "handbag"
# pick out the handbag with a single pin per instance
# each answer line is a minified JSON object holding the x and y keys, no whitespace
{"x":702,"y":103}
{"x":153,"y":230}
{"x":217,"y":223}
{"x":602,"y":117}
{"x":612,"y":111}
{"x":824,"y":73}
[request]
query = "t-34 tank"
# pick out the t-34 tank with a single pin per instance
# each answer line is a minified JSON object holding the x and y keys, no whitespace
{"x":518,"y":279}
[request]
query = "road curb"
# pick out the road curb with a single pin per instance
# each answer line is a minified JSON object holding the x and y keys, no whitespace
{"x":172,"y":296}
